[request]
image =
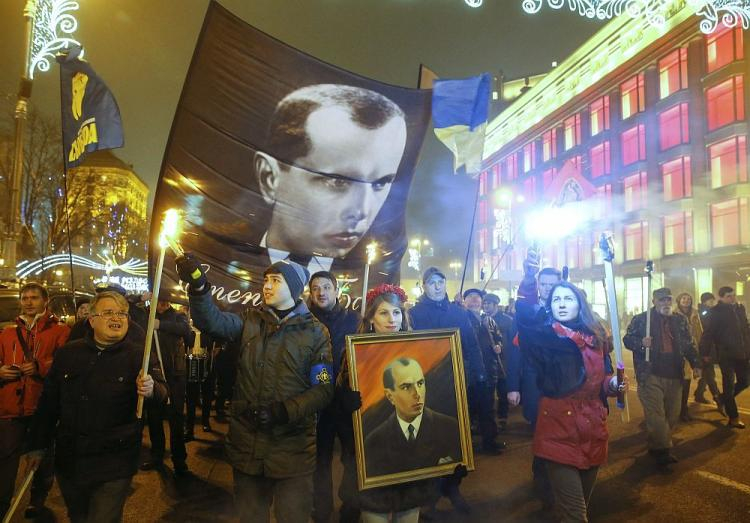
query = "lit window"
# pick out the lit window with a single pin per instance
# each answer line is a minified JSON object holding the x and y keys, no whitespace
{"x":549,"y":145}
{"x":599,"y":115}
{"x":725,"y":103}
{"x":529,"y":189}
{"x":678,"y":233}
{"x":728,"y":162}
{"x":529,"y":156}
{"x":673,"y":73}
{"x":576,"y":252}
{"x":723,"y":46}
{"x":548,"y":177}
{"x":677,"y":179}
{"x":730,"y":223}
{"x":635,"y":191}
{"x":483,"y":212}
{"x":483,"y":183}
{"x":636,"y":241}
{"x":572,"y":128}
{"x":496,"y":176}
{"x":482,"y":241}
{"x":510,"y":166}
{"x":600,"y":160}
{"x":633,"y":97}
{"x":673,"y":127}
{"x":634,"y":145}
{"x":636,"y":291}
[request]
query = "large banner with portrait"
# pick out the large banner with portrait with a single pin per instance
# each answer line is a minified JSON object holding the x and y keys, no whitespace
{"x":276,"y":155}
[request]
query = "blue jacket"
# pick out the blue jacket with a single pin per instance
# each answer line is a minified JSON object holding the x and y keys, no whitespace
{"x":430,"y":314}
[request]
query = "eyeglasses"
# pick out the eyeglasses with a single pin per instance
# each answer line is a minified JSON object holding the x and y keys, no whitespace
{"x":108,"y":315}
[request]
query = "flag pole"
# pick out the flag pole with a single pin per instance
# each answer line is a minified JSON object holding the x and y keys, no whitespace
{"x":65,"y":191}
{"x":471,"y":235}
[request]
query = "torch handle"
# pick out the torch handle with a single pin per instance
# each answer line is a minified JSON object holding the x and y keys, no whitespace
{"x":150,"y":328}
{"x":364,"y":289}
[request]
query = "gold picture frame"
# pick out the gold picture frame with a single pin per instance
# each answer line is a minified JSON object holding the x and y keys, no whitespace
{"x":383,"y":457}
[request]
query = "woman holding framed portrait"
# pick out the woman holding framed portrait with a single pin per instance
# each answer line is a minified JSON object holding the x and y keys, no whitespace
{"x":569,"y":350}
{"x":385,"y":314}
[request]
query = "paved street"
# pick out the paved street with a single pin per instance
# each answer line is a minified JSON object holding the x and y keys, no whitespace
{"x":711,"y":482}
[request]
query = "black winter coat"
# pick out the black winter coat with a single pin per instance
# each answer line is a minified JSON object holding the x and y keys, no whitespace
{"x":90,"y":399}
{"x":430,"y":314}
{"x":727,"y":332}
{"x":340,"y":322}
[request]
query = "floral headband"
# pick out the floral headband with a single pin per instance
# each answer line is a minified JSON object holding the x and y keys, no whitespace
{"x":386,"y":288}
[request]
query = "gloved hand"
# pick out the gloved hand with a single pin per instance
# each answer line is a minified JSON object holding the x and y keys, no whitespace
{"x":460,"y":472}
{"x":269,"y":416}
{"x":350,"y":400}
{"x":190,"y":271}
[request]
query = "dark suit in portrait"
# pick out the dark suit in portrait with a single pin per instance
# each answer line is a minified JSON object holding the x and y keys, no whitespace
{"x":387,"y":450}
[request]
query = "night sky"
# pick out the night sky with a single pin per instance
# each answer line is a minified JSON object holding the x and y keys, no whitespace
{"x":142,"y":49}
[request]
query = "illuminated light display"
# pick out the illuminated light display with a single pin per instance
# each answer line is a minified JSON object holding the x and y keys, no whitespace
{"x":28,"y":268}
{"x":474,"y":3}
{"x":52,"y":30}
{"x":654,"y":12}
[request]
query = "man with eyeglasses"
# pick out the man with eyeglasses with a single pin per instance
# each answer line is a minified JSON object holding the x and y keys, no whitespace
{"x":26,"y":352}
{"x":89,"y":407}
{"x":82,"y":327}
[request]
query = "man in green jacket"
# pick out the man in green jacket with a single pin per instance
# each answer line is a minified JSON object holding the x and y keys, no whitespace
{"x":283,"y":379}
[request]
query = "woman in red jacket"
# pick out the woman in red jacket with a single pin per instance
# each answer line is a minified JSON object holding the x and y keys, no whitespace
{"x":569,"y":350}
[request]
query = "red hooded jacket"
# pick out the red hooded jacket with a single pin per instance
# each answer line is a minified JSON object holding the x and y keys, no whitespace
{"x":20,"y":397}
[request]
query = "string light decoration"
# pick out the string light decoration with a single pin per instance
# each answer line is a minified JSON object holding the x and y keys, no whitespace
{"x":655,"y":12}
{"x":53,"y":26}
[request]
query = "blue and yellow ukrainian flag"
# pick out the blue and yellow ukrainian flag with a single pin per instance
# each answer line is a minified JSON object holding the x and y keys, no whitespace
{"x":459,"y":114}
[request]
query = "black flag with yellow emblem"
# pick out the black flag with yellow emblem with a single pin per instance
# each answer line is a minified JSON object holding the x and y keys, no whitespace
{"x":90,"y":116}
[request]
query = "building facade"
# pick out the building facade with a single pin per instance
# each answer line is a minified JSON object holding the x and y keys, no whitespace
{"x":653,"y":124}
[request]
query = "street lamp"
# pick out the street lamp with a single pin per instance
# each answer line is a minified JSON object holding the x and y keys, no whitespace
{"x":49,"y":27}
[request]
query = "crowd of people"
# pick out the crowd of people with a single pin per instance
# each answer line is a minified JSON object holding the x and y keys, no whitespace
{"x":68,"y":395}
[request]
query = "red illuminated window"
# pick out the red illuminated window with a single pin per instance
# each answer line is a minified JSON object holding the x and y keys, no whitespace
{"x":483,"y":183}
{"x":483,"y":212}
{"x":722,"y":47}
{"x":599,"y":115}
{"x":548,"y":177}
{"x":677,"y":179}
{"x":510,"y":166}
{"x":634,"y":144}
{"x":483,"y":240}
{"x":633,"y":96}
{"x":636,"y":241}
{"x":576,"y":252}
{"x":673,"y":73}
{"x":572,"y":127}
{"x":635,"y":191}
{"x":673,"y":127}
{"x":496,"y":176}
{"x":730,"y":223}
{"x":549,"y":145}
{"x":678,"y":233}
{"x":600,"y":160}
{"x":728,"y":162}
{"x":725,"y":103}
{"x":529,"y":156}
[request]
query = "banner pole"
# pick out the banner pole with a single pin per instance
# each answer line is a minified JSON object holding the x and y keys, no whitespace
{"x":65,"y":192}
{"x":471,"y":235}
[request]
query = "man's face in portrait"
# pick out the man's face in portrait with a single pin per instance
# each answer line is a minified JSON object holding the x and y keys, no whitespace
{"x":329,"y":215}
{"x":409,"y":391}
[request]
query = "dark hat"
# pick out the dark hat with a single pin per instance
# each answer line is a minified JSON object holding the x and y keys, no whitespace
{"x":430,"y":272}
{"x":295,"y":275}
{"x":492,"y":298}
{"x":473,"y":291}
{"x":664,"y":292}
{"x":707,"y":296}
{"x":110,"y":287}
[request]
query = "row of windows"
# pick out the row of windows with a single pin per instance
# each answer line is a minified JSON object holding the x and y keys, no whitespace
{"x":730,"y":226}
{"x":727,"y":163}
{"x":724,"y":105}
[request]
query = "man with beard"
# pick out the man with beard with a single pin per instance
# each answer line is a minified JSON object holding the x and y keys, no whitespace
{"x":283,"y":380}
{"x":660,"y":378}
{"x":324,"y":305}
{"x":89,"y":407}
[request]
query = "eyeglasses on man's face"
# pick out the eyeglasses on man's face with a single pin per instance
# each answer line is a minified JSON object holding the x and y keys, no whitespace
{"x":109,"y":314}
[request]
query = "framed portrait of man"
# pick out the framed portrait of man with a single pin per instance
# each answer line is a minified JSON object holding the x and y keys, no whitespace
{"x":414,"y":422}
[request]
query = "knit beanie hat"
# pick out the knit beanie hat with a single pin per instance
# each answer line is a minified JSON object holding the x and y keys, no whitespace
{"x":295,"y":276}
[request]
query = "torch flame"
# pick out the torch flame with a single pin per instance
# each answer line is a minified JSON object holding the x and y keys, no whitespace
{"x":371,"y":252}
{"x":170,"y":231}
